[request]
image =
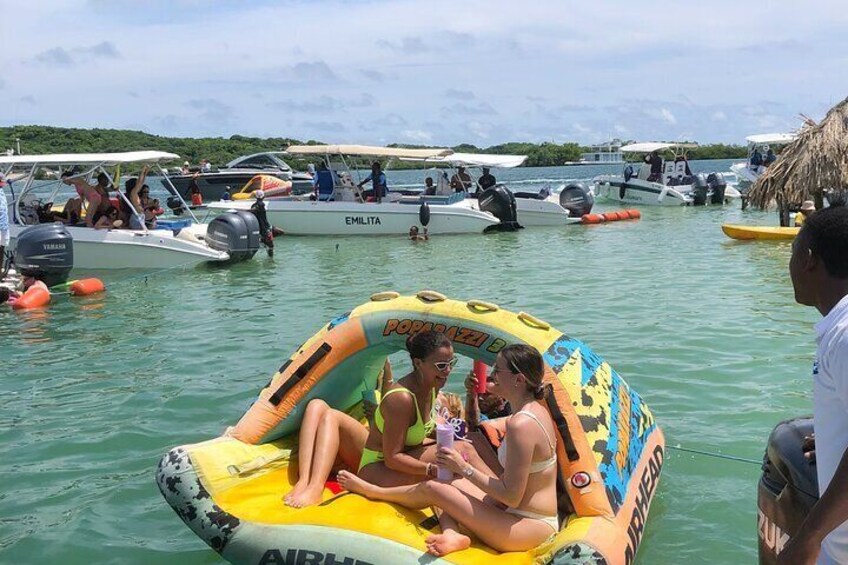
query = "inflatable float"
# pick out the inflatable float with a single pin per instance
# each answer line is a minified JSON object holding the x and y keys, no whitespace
{"x":759,"y":232}
{"x":229,"y":490}
{"x":271,"y":186}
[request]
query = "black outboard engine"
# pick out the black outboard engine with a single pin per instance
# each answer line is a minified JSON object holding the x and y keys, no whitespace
{"x":175,"y":205}
{"x":500,"y":202}
{"x":788,"y":488}
{"x":717,"y":187}
{"x":235,"y":232}
{"x":577,"y":199}
{"x":46,"y":252}
{"x":699,"y":190}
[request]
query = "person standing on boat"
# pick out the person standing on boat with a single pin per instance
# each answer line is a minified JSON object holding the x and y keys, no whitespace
{"x":807,"y":208}
{"x":756,"y":159}
{"x":205,"y":166}
{"x":770,"y":157}
{"x":487,"y":180}
{"x":4,"y":224}
{"x":461,"y":181}
{"x":819,"y":272}
{"x":378,"y":182}
{"x":656,"y":162}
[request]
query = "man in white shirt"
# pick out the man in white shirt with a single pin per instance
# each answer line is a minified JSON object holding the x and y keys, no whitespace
{"x":819,"y":271}
{"x":4,"y":225}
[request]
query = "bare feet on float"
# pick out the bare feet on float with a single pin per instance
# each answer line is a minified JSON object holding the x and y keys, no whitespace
{"x":307,"y":496}
{"x":448,"y":542}
{"x":295,"y":491}
{"x":351,"y":482}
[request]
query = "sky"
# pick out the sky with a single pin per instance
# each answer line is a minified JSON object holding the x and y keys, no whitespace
{"x":428,"y":72}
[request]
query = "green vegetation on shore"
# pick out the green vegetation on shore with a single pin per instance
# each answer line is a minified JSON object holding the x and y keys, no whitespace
{"x":46,"y":139}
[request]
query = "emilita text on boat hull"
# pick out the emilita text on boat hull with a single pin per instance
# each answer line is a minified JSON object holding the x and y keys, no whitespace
{"x":300,"y":217}
{"x":610,"y":450}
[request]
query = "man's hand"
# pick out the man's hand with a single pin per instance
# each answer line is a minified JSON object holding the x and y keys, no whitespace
{"x":799,"y":551}
{"x":809,"y":447}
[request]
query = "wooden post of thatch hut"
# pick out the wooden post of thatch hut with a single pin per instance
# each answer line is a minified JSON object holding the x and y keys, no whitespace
{"x":815,"y":162}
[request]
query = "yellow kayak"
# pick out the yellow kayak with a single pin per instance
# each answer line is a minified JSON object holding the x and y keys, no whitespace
{"x":758,"y":232}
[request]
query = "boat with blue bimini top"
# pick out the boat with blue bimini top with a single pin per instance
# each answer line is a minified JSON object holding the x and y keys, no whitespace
{"x":339,"y":205}
{"x":663,"y":181}
{"x":37,"y":210}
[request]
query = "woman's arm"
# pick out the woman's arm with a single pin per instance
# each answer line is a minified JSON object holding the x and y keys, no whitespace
{"x":472,"y":406}
{"x":510,"y":487}
{"x":387,"y":378}
{"x":398,"y":410}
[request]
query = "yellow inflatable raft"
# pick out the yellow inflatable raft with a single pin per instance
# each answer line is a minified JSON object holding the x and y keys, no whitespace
{"x":229,"y":490}
{"x":759,"y":232}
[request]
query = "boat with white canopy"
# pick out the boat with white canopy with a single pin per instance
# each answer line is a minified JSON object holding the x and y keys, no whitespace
{"x":545,"y":208}
{"x":674,"y":185}
{"x":340,"y":207}
{"x":175,"y":244}
{"x":758,"y":148}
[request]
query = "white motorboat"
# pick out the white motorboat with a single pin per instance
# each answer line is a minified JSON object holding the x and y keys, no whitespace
{"x":172,"y":244}
{"x":748,"y":172}
{"x":339,"y":208}
{"x":544,"y":208}
{"x":674,"y":186}
{"x":608,"y":153}
{"x":236,"y":173}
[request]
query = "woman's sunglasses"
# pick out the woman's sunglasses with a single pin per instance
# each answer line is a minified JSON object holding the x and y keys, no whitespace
{"x":444,"y":366}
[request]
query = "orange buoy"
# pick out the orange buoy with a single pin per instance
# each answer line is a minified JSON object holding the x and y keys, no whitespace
{"x":622,"y":215}
{"x":590,"y":219}
{"x":610,"y":216}
{"x":634,"y":214}
{"x":85,"y":287}
{"x":36,"y":296}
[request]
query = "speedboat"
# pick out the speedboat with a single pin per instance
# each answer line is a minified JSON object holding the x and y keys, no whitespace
{"x":748,"y":173}
{"x":339,"y":207}
{"x":608,"y":153}
{"x":214,"y":184}
{"x":676,"y":185}
{"x":545,"y":208}
{"x":171,"y":244}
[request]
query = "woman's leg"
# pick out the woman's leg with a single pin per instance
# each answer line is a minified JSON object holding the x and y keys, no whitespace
{"x":338,"y":437}
{"x":450,"y":540}
{"x":497,"y":529}
{"x":315,"y":410}
{"x":378,"y":474}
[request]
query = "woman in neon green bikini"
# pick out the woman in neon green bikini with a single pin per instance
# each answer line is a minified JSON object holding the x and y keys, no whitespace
{"x":328,"y":436}
{"x":394,"y":453}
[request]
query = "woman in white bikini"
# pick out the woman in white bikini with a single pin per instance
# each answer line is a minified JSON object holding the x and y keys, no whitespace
{"x":511,"y":507}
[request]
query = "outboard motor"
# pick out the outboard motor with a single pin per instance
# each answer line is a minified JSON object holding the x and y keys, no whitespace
{"x":788,"y":488}
{"x":699,"y":190}
{"x":235,"y":232}
{"x":176,"y":205}
{"x":577,"y":199}
{"x":500,"y":202}
{"x":717,"y":187}
{"x":46,"y":252}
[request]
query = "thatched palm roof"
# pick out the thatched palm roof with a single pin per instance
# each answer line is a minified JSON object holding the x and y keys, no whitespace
{"x":816,"y":161}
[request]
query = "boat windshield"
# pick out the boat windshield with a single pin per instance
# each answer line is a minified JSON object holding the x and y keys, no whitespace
{"x":262,"y":161}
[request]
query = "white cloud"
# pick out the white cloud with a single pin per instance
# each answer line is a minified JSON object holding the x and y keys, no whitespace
{"x":667,"y":116}
{"x":719,"y":116}
{"x":417,"y":135}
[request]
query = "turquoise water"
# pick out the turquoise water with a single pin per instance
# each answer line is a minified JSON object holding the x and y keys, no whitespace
{"x":93,"y":391}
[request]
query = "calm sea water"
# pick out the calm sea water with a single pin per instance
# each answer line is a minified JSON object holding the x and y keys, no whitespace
{"x":94,"y":390}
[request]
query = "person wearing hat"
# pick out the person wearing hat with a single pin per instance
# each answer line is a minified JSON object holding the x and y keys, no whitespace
{"x":461,"y":181}
{"x":807,"y":208}
{"x":4,"y":223}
